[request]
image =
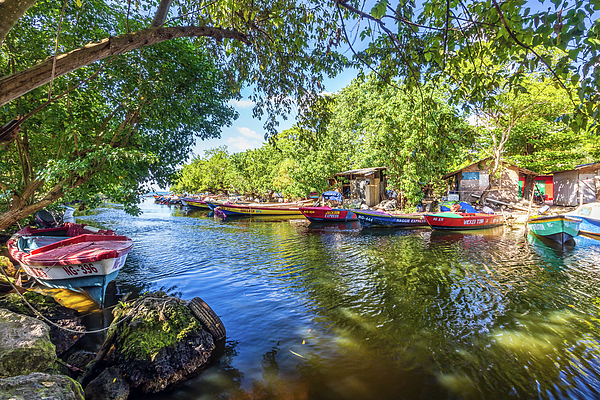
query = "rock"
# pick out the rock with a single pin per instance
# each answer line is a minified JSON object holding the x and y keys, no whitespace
{"x":40,"y":386}
{"x":80,"y":359}
{"x":363,"y":206}
{"x":109,"y":385}
{"x":161,"y":344}
{"x":8,"y":266}
{"x":25,"y":346}
{"x":52,"y":310}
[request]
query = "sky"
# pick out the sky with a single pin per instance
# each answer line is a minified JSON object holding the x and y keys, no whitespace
{"x":247,"y":132}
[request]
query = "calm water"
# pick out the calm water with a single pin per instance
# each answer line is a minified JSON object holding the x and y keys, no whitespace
{"x":333,"y":312}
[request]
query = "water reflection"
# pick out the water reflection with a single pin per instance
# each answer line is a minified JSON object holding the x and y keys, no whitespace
{"x":334,"y":312}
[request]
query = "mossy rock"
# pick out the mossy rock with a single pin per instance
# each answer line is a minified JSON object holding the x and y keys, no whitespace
{"x":7,"y":265}
{"x":25,"y":346}
{"x":51,"y":309}
{"x":160,"y":344}
{"x":40,"y":386}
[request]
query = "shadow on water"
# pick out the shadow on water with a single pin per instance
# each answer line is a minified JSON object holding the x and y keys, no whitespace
{"x":333,"y":312}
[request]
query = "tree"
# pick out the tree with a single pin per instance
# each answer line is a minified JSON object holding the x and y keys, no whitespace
{"x":210,"y":173}
{"x":462,"y":42}
{"x":75,"y":120}
{"x":110,"y":136}
{"x":416,"y":141}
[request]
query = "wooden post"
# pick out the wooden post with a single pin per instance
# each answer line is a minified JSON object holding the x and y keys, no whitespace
{"x":529,"y":208}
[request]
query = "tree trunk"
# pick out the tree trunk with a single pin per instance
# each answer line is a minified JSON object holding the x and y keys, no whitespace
{"x":15,"y":85}
{"x":10,"y":12}
{"x":528,"y":186}
{"x":485,"y":193}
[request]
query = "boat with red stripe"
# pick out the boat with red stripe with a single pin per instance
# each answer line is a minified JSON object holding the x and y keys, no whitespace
{"x":462,"y":221}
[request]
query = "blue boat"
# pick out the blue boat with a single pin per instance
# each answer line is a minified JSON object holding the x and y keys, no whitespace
{"x":380,"y":219}
{"x":590,"y":218}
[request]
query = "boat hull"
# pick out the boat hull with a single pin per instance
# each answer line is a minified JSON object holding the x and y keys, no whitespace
{"x":327,"y":214}
{"x":252,"y":210}
{"x":590,"y":219}
{"x":463,"y":221}
{"x":195,"y":204}
{"x":380,"y":219}
{"x":559,"y":228}
{"x":86,"y":262}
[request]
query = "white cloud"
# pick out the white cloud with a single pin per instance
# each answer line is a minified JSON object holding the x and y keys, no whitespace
{"x":249,"y":133}
{"x":243,"y":103}
{"x":248,"y":139}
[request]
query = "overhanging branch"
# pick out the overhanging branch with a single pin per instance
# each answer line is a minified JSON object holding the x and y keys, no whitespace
{"x":16,"y":85}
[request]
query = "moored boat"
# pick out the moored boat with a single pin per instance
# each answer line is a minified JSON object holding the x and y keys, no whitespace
{"x":381,"y":219}
{"x":71,"y":256}
{"x":462,"y":221}
{"x":252,"y":209}
{"x":560,"y":228}
{"x":194,"y":203}
{"x":590,"y":218}
{"x":328,"y":214}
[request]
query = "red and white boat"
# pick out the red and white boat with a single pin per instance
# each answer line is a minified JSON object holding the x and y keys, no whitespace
{"x":71,"y":256}
{"x":328,"y":214}
{"x":462,"y":221}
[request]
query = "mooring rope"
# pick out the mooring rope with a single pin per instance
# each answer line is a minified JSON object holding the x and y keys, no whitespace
{"x":36,"y":312}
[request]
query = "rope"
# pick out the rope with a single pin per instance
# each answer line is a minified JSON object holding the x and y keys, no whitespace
{"x":36,"y":312}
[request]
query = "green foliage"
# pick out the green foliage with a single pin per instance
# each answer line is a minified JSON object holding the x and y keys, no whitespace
{"x":117,"y":133}
{"x":416,"y":135}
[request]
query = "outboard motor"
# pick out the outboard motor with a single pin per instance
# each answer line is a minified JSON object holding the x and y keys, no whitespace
{"x":44,"y":219}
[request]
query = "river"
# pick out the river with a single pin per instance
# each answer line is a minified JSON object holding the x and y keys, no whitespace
{"x":336,"y":312}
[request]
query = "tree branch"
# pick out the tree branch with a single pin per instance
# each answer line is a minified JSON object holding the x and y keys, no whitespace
{"x":10,"y":12}
{"x":161,"y":14}
{"x":16,"y":85}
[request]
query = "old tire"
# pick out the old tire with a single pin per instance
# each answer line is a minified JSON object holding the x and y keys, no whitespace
{"x":208,"y":318}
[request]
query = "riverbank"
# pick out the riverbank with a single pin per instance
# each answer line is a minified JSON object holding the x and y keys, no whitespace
{"x":153,"y":343}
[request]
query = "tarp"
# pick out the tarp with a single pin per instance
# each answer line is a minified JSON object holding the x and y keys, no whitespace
{"x":467,"y":207}
{"x":333,"y":196}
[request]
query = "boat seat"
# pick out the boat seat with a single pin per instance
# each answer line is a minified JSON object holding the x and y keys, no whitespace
{"x":28,"y":243}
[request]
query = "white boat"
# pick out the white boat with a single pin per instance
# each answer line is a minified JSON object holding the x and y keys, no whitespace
{"x":590,"y":218}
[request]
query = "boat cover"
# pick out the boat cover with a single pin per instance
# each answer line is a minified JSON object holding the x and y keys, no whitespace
{"x":332,"y":195}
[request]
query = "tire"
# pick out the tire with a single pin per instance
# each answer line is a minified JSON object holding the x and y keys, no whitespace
{"x":208,"y":318}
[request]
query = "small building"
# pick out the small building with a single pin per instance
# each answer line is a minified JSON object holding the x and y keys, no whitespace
{"x":544,"y":185}
{"x":577,"y":186}
{"x":474,"y":179}
{"x":367,"y":184}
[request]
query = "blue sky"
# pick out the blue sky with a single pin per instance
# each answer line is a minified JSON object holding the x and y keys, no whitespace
{"x":248,"y":133}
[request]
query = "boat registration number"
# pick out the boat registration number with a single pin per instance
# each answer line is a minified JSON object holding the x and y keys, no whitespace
{"x":84,"y":269}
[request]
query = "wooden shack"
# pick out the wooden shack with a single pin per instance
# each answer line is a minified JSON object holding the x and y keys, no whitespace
{"x":470,"y":182}
{"x":367,"y":184}
{"x":580,"y":185}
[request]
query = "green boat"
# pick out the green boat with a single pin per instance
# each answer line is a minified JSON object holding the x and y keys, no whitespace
{"x":560,"y":228}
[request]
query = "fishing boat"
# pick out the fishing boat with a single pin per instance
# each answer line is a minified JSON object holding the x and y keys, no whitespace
{"x":255,"y":209}
{"x":381,"y":219}
{"x":590,"y":219}
{"x":194,"y":203}
{"x":328,"y":214}
{"x":560,"y":228}
{"x":71,"y":256}
{"x":462,"y":221}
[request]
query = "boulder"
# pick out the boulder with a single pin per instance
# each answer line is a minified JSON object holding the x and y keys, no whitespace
{"x":109,"y":385}
{"x":52,"y":310}
{"x":25,"y":346}
{"x":80,"y":359}
{"x":40,"y":386}
{"x":160,"y":344}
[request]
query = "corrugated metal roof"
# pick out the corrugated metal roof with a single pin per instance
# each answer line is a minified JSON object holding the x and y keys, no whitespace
{"x":579,"y":167}
{"x":362,"y":171}
{"x":522,"y":170}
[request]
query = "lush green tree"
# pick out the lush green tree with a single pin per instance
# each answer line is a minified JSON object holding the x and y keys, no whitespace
{"x":80,"y":125}
{"x":210,"y":173}
{"x":439,"y":41}
{"x":416,"y":141}
{"x":129,"y":126}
